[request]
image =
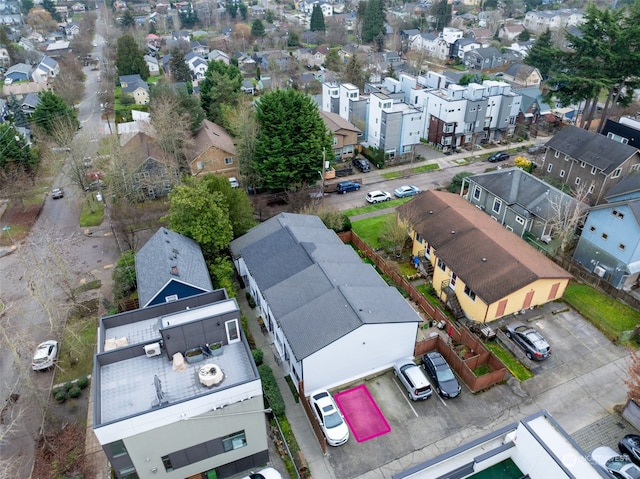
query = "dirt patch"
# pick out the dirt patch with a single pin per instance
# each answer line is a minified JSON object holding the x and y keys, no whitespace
{"x":60,"y":453}
{"x":20,"y":219}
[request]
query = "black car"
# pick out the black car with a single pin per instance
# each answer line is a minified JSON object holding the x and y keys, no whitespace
{"x":501,"y":156}
{"x":530,"y":340}
{"x":362,"y":164}
{"x":630,"y":445}
{"x":443,"y":378}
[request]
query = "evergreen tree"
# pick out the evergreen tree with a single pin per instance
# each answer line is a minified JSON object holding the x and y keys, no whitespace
{"x":127,"y":21}
{"x":179,"y":68}
{"x":354,"y":72}
{"x":15,"y":152}
{"x":317,"y":19}
{"x":291,"y":140}
{"x":18,"y":116}
{"x":50,"y":7}
{"x":257,"y":28}
{"x":130,"y":59}
{"x":152,"y":28}
{"x":244,"y":11}
{"x":293,"y":40}
{"x":441,"y":12}
{"x":542,"y":54}
{"x":52,"y":113}
{"x":220,"y":87}
{"x":26,"y":6}
{"x":232,"y":10}
{"x":188,"y":18}
{"x":269,"y":18}
{"x":333,"y":61}
{"x":373,"y":20}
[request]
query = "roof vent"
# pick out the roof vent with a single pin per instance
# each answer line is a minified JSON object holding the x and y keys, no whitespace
{"x":453,"y":232}
{"x":174,"y":271}
{"x":430,"y":212}
{"x":484,"y":260}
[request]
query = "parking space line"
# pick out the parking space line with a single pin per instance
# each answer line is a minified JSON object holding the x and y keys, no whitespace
{"x":440,"y":397}
{"x":404,"y":395}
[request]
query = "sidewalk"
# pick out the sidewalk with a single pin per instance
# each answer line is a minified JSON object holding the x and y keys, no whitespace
{"x":318,"y":463}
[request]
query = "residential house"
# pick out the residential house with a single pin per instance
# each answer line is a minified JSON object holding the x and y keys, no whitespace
{"x":510,"y":31}
{"x":154,"y":177}
{"x":182,"y":35}
{"x":588,"y":161}
{"x":330,"y":314}
{"x":608,"y":245}
{"x":407,"y":36}
{"x":521,"y":202}
{"x":46,"y":70}
{"x":522,"y":75}
{"x":464,"y":115}
{"x":537,"y":21}
{"x":197,"y":65}
{"x":433,"y":45}
{"x":533,"y":107}
{"x":479,"y":269}
{"x":19,"y":72}
{"x":213,"y":151}
{"x":482,"y":35}
{"x":327,"y":9}
{"x":71,"y":29}
{"x":57,"y":48}
{"x":152,"y":64}
{"x":5,"y":59}
{"x":464,"y":45}
{"x":176,"y":392}
{"x":78,"y":7}
{"x":200,"y":48}
{"x":316,"y":56}
{"x":136,"y":87}
{"x":30,"y":103}
{"x":626,"y":130}
{"x":537,"y":446}
{"x":345,"y":135}
{"x":483,"y":58}
{"x":218,"y":55}
{"x":170,"y":267}
{"x":248,"y":87}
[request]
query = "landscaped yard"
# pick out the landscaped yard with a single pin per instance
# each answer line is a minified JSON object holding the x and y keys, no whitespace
{"x":514,"y":366}
{"x":612,"y":317}
{"x":371,"y":229}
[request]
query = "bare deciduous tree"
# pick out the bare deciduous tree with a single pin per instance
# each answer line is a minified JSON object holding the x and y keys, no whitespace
{"x":567,"y":214}
{"x":173,"y":129}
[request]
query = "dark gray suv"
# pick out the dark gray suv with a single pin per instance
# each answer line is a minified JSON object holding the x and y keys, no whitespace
{"x":362,"y":164}
{"x":443,"y":378}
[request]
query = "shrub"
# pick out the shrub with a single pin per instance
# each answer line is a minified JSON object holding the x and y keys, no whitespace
{"x":258,"y":356}
{"x":82,"y":382}
{"x":271,"y":390}
{"x":252,"y":302}
{"x":67,"y":386}
{"x":75,"y":392}
{"x":61,"y":396}
{"x":55,"y":391}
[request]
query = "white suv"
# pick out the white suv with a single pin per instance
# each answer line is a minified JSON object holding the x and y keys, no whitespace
{"x":378,"y":196}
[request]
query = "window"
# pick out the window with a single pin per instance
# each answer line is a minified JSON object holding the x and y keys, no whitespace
{"x":233,"y":335}
{"x":234,"y":441}
{"x":497,"y":204}
{"x":128,"y":473}
{"x":419,"y":238}
{"x":173,"y":297}
{"x":469,"y":293}
{"x":441,"y":265}
{"x":577,"y":180}
{"x":582,"y":164}
{"x":616,"y":173}
{"x":519,"y":220}
{"x":605,"y":236}
{"x":454,"y":278}
{"x":635,"y":167}
{"x":448,"y":128}
{"x":549,"y":168}
{"x":561,"y":173}
{"x":621,"y":246}
{"x":592,"y":229}
{"x":201,"y":165}
{"x":592,"y":188}
{"x":117,"y":449}
{"x":557,"y":154}
{"x":477,"y":191}
{"x":617,"y":214}
{"x":335,"y":141}
{"x":166,"y":462}
{"x":594,"y":170}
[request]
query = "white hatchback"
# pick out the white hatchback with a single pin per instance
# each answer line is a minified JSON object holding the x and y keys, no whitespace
{"x":45,"y":355}
{"x":330,"y":418}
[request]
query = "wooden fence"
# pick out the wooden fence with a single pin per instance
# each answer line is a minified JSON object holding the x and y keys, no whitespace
{"x":476,"y":353}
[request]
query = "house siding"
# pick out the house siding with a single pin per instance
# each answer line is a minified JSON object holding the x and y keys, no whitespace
{"x":175,"y":287}
{"x":213,"y":161}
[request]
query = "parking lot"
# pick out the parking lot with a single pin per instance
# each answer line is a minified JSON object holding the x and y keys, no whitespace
{"x":579,"y":385}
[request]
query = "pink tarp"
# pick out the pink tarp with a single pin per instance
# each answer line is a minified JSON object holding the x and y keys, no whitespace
{"x":362,"y":413}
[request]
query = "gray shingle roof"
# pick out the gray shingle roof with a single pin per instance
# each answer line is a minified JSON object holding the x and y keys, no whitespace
{"x":592,"y":148}
{"x":169,"y":256}
{"x":318,"y":288}
{"x":629,"y":184}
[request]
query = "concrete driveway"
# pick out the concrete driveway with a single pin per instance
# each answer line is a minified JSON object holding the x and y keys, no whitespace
{"x":579,"y":385}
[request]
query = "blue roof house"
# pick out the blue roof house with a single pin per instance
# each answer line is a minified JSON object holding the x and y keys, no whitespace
{"x":170,"y":267}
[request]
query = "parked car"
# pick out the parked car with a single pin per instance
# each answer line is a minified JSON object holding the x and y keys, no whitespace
{"x":530,"y":340}
{"x":266,"y":473}
{"x":330,"y":418}
{"x":345,"y":186}
{"x":362,"y":164}
{"x":413,"y":379}
{"x":441,"y":374}
{"x":501,"y":156}
{"x":619,"y":466}
{"x":94,"y":185}
{"x":233,"y":181}
{"x":406,"y":190}
{"x":57,"y":193}
{"x":45,"y":355}
{"x":378,"y":196}
{"x":630,"y":445}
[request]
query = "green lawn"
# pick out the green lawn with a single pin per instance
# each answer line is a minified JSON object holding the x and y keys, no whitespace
{"x":609,"y":315}
{"x":515,"y":367}
{"x":378,"y":206}
{"x":371,"y":229}
{"x":411,"y":171}
{"x":92,"y":211}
